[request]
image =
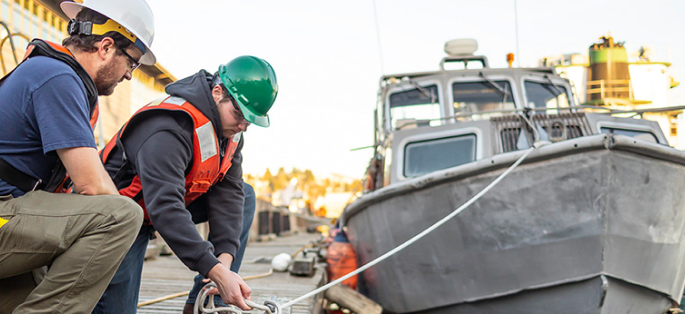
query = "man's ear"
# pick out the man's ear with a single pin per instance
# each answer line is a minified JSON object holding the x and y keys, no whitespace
{"x":106,"y":48}
{"x":217,"y":93}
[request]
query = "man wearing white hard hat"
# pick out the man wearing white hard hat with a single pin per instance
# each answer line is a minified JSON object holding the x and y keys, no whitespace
{"x":49,"y":103}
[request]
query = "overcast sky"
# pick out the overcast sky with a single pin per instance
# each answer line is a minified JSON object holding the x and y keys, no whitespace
{"x":328,"y":57}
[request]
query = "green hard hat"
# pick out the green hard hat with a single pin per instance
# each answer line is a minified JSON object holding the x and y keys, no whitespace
{"x":251,"y":81}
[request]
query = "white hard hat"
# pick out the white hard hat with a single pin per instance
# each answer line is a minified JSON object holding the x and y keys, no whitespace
{"x":134,"y":15}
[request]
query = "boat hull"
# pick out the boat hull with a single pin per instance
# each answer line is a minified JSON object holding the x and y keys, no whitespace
{"x":570,"y":298}
{"x":589,"y":228}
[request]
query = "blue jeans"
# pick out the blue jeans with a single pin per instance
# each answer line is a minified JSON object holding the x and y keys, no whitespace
{"x":121,"y":296}
{"x":248,"y":217}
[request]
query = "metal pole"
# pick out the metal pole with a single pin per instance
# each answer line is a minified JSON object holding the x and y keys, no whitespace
{"x":516,"y":27}
{"x":378,"y":36}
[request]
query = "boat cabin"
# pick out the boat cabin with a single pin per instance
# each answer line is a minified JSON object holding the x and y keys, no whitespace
{"x":467,"y":111}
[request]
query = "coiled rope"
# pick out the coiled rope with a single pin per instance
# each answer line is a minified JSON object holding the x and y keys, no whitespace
{"x":269,"y":307}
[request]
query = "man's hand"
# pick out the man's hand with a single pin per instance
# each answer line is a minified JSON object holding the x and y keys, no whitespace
{"x":232,"y":288}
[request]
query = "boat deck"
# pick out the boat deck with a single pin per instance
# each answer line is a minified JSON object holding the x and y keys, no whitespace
{"x":166,"y":275}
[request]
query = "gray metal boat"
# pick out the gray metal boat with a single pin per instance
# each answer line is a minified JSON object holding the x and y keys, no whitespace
{"x":592,"y":222}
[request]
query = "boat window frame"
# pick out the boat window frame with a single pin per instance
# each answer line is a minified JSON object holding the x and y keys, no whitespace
{"x":541,"y":79}
{"x":629,"y":127}
{"x":387,"y":163}
{"x":399,"y":158}
{"x":402,"y":87}
{"x":478,"y":79}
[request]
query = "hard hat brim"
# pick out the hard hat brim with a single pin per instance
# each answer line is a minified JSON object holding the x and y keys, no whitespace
{"x":71,"y":9}
{"x":253,"y":118}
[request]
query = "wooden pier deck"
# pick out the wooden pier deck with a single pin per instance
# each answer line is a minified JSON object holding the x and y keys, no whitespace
{"x":166,"y":275}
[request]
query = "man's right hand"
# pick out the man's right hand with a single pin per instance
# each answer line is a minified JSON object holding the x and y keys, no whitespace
{"x":232,"y":288}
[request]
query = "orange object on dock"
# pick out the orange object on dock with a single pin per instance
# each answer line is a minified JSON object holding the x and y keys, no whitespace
{"x":342,"y":260}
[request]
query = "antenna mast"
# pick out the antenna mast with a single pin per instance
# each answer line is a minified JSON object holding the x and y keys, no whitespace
{"x":516,"y":27}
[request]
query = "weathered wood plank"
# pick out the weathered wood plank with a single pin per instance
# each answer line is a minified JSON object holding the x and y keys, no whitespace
{"x":352,"y":300}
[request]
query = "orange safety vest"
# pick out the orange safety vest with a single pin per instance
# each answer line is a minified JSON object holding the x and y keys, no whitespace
{"x":207,"y":167}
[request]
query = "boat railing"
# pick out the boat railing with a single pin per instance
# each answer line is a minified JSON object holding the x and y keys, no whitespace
{"x":581,"y":108}
{"x":513,"y":126}
{"x":601,"y":89}
{"x":412,"y":123}
{"x":511,"y":130}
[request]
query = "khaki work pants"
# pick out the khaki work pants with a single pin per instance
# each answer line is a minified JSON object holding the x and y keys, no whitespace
{"x":82,"y":238}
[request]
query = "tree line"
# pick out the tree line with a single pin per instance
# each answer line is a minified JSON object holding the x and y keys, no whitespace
{"x":312,"y":187}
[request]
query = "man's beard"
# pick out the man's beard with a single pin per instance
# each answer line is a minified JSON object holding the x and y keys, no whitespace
{"x":105,"y":80}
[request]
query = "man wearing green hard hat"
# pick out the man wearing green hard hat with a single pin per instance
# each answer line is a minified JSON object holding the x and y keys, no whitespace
{"x":179,"y":157}
{"x":254,"y":91}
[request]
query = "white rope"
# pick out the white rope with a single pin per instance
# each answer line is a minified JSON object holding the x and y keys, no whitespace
{"x":417,"y":237}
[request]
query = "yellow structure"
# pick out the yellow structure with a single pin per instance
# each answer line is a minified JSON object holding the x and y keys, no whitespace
{"x":611,"y":77}
{"x":22,"y":20}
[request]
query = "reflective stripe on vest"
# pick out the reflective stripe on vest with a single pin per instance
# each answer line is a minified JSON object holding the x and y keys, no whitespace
{"x":207,"y":167}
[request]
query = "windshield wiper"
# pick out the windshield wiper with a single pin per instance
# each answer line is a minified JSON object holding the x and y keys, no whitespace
{"x":556,"y":97}
{"x":423,"y":91}
{"x":499,"y":88}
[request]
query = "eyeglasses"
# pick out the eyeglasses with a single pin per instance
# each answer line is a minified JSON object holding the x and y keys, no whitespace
{"x":134,"y":63}
{"x":239,"y":113}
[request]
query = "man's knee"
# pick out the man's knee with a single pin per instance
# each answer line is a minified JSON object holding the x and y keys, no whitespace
{"x":125,"y":211}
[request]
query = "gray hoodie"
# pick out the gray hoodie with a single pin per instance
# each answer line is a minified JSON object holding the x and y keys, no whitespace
{"x":159,"y":148}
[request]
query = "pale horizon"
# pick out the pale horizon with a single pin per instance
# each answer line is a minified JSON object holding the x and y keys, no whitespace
{"x":328,"y":57}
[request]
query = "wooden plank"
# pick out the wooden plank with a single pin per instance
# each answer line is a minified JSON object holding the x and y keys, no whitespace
{"x":352,"y":300}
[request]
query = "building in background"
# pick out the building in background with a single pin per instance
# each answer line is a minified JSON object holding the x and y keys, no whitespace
{"x":23,"y":20}
{"x":611,"y":77}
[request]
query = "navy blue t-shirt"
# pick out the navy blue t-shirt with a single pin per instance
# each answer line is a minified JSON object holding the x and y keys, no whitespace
{"x":43,"y":107}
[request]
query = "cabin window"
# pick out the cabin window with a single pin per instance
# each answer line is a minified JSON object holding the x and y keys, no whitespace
{"x":415,"y":106}
{"x":464,"y":64}
{"x":482,"y":97}
{"x":646,"y":136}
{"x":546,"y":95}
{"x":423,"y":157}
